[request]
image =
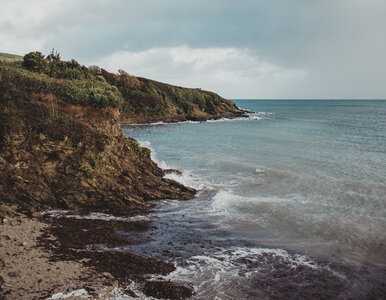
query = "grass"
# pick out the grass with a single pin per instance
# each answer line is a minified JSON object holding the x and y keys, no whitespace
{"x":19,"y":82}
{"x":10,"y":57}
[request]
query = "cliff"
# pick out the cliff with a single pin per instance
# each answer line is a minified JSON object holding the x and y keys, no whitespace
{"x":146,"y":101}
{"x":60,"y":139}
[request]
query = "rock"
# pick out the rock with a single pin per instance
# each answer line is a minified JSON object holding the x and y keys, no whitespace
{"x":5,"y":221}
{"x":166,"y":290}
{"x":33,"y":213}
{"x":13,"y":274}
{"x":24,"y":244}
{"x":171,"y":171}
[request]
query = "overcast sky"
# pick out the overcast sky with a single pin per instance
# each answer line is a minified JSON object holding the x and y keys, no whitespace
{"x":240,"y":49}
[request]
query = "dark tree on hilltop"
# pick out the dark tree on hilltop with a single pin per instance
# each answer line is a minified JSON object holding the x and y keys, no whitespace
{"x":53,"y":60}
{"x":34,"y":61}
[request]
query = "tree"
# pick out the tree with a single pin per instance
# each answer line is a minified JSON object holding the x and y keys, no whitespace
{"x":34,"y":61}
{"x":53,"y":62}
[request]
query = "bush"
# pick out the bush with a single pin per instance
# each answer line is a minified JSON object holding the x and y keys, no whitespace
{"x":34,"y":61}
{"x":90,"y":164}
{"x":143,"y":151}
{"x":17,"y":82}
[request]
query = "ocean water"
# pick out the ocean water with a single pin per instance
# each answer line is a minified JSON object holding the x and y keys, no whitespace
{"x":298,"y":183}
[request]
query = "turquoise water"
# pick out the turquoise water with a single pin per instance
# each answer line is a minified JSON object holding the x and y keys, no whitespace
{"x":304,"y":176}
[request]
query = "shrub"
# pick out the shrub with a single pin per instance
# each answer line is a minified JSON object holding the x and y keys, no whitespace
{"x":34,"y":61}
{"x":90,"y":164}
{"x":143,"y":151}
{"x":18,"y":82}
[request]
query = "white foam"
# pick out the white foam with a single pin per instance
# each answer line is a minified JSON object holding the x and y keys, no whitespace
{"x":120,"y":293}
{"x":250,"y":116}
{"x":81,"y":293}
{"x":186,"y":177}
{"x":221,"y":271}
{"x":153,"y":155}
{"x":92,"y":216}
{"x":225,"y":202}
{"x":260,"y":170}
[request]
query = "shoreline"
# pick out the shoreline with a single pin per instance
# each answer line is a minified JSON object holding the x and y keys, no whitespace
{"x":58,"y":256}
{"x":28,"y":271}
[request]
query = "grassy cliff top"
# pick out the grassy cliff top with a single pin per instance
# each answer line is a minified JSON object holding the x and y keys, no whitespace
{"x":138,"y":99}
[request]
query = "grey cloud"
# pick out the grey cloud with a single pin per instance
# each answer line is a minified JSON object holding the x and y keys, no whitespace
{"x":340,"y":43}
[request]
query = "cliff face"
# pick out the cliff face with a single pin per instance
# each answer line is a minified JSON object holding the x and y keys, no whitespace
{"x":55,"y":154}
{"x":60,"y":139}
{"x":146,"y":101}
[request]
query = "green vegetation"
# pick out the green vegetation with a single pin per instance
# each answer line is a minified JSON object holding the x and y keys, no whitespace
{"x":145,"y":152}
{"x":39,"y":188}
{"x":148,"y":96}
{"x":10,"y":57}
{"x":29,"y":77}
{"x":90,"y":164}
{"x":136,"y":97}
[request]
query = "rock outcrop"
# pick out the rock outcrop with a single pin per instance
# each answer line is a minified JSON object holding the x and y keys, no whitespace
{"x":54,"y":154}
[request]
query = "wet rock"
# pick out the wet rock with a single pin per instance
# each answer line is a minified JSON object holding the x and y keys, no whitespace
{"x":166,"y":290}
{"x":33,"y":213}
{"x":172,"y":171}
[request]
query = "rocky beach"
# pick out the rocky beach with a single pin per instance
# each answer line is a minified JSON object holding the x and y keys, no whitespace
{"x":62,"y":147}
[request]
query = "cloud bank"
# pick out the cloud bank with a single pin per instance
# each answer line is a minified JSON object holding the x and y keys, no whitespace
{"x":240,"y":49}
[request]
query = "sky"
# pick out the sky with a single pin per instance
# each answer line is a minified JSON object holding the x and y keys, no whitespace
{"x":273,"y":49}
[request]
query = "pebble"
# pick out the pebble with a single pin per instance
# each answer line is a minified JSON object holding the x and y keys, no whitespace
{"x":13,"y":274}
{"x":24,"y":244}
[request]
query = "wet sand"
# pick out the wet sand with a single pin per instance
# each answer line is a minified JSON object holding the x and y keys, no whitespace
{"x":55,"y":256}
{"x":28,"y":271}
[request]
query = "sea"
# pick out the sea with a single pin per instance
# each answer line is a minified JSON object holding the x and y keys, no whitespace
{"x":291,"y":201}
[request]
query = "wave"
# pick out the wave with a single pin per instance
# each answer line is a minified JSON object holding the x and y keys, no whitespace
{"x":186,"y":177}
{"x":63,"y":213}
{"x":226,"y":200}
{"x":228,"y":273}
{"x":81,"y":293}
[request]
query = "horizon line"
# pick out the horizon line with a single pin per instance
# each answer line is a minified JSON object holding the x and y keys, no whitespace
{"x":306,"y":99}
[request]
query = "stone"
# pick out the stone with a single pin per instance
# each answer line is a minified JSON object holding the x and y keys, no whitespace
{"x":13,"y":274}
{"x":36,"y":214}
{"x":24,"y":244}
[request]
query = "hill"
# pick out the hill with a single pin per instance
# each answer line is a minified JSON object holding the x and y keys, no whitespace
{"x":10,"y":57}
